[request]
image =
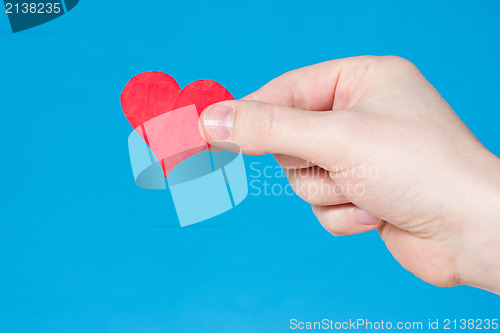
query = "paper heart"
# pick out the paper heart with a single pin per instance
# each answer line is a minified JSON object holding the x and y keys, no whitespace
{"x":166,"y":117}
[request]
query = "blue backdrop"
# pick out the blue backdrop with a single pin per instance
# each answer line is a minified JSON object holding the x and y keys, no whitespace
{"x":83,"y":249}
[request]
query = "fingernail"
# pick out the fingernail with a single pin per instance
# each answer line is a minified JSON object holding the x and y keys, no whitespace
{"x":364,"y":218}
{"x":218,"y":121}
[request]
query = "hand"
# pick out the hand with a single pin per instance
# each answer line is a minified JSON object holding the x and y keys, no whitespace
{"x":371,"y":144}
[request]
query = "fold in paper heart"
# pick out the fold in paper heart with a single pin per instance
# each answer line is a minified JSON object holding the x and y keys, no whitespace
{"x":166,"y":117}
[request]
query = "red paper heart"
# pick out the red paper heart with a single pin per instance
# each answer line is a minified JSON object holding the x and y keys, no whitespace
{"x":149,"y":96}
{"x":202,"y":93}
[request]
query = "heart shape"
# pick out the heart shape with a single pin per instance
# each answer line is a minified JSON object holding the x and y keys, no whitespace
{"x":166,"y":117}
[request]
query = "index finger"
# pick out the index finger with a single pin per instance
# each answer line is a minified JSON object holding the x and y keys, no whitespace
{"x":319,"y":87}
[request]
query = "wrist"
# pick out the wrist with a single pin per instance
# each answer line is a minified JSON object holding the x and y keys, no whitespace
{"x":478,"y":262}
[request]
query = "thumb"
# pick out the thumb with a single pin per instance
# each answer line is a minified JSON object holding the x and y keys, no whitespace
{"x":262,"y":128}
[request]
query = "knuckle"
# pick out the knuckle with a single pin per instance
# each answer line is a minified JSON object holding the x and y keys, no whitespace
{"x":290,"y":83}
{"x":368,"y":62}
{"x":264,"y":121}
{"x":399,"y":63}
{"x":298,"y":97}
{"x":254,"y":124}
{"x":371,"y":61}
{"x":386,"y":63}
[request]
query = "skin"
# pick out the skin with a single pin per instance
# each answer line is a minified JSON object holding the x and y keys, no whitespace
{"x":371,"y":144}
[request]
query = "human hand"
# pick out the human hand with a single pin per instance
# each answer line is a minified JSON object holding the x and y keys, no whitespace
{"x":371,"y":144}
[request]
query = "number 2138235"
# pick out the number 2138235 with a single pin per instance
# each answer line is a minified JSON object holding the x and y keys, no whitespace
{"x":33,"y":8}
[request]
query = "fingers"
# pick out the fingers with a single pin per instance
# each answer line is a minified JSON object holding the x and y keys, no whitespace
{"x":292,"y":162}
{"x":315,"y":186}
{"x":261,"y":128}
{"x":322,"y":87}
{"x":345,"y":219}
{"x":308,"y":88}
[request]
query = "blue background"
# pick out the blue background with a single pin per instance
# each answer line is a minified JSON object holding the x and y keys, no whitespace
{"x":83,"y":249}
